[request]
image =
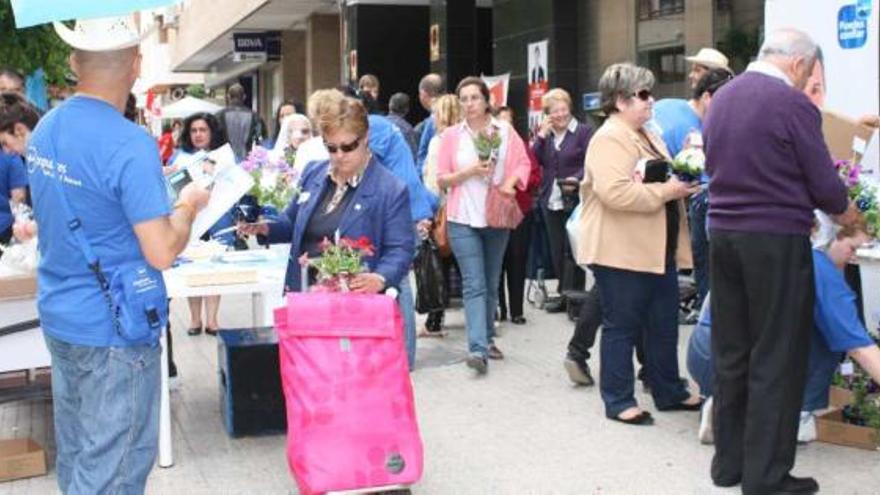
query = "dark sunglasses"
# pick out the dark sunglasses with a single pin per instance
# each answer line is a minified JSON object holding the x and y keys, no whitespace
{"x":345,"y":148}
{"x":643,"y":95}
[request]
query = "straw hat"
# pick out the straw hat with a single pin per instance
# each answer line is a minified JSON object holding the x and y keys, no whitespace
{"x":711,"y":58}
{"x":102,"y":34}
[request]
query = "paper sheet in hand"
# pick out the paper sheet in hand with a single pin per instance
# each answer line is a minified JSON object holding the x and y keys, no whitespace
{"x":230,"y":183}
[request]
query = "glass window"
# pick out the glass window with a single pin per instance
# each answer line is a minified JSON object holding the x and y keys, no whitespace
{"x":651,"y":9}
{"x":667,"y":64}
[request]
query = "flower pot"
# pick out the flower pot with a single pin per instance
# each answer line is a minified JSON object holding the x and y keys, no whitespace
{"x":687,"y":177}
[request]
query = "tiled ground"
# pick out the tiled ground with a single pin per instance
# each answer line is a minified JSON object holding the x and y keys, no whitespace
{"x":521,"y":430}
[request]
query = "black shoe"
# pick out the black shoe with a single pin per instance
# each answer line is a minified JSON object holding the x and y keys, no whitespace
{"x":681,"y":406}
{"x":555,"y":305}
{"x":211,"y":331}
{"x":578,"y":371}
{"x":791,"y":484}
{"x":642,"y":419}
{"x":500,"y":316}
{"x":727,"y":483}
{"x":194,"y":331}
{"x":518,"y":320}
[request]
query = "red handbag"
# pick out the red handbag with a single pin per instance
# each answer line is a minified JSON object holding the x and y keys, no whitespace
{"x":502,"y":212}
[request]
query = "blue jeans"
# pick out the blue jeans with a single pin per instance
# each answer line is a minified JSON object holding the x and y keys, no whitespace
{"x":106,"y":408}
{"x":699,"y":365}
{"x":699,"y":206}
{"x":480,"y":253}
{"x":633,"y":301}
{"x":408,"y":309}
{"x":820,"y":370}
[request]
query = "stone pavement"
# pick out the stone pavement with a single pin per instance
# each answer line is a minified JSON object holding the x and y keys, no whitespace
{"x":522,"y":429}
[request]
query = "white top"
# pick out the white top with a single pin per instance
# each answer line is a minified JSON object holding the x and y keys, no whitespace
{"x":429,"y":171}
{"x":768,"y":69}
{"x":311,"y":150}
{"x":472,"y":206}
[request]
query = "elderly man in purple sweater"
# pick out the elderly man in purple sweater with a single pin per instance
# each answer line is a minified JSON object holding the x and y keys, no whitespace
{"x":769,"y":168}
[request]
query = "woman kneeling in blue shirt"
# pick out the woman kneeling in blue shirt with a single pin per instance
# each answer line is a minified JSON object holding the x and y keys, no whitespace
{"x":837,"y":330}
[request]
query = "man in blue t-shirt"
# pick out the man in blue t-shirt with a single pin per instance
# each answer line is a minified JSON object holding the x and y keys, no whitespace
{"x":86,"y":161}
{"x":680,"y":123}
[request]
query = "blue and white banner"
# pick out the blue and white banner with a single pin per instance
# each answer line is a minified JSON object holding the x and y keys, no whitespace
{"x":848,"y":32}
{"x":32,"y":12}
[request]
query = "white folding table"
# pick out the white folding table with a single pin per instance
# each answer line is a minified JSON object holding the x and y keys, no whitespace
{"x":266,"y":295}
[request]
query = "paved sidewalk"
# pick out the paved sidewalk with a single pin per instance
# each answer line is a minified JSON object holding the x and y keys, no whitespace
{"x":522,"y":429}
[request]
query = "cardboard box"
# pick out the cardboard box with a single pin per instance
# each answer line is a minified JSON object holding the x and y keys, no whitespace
{"x":830,"y":428}
{"x":845,"y":138}
{"x":18,"y":286}
{"x":839,"y":397}
{"x":13,"y":379}
{"x":21,"y":458}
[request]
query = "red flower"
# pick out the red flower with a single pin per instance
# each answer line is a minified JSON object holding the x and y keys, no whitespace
{"x":347,"y":243}
{"x":365,"y":245}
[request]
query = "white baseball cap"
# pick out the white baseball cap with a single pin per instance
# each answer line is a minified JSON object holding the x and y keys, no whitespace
{"x":102,"y":34}
{"x":710,"y":58}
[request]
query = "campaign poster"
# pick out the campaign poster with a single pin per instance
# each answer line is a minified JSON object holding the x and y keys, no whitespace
{"x":498,"y":86}
{"x":538,"y":83}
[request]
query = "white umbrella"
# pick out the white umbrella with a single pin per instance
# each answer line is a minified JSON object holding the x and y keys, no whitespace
{"x":187,"y":106}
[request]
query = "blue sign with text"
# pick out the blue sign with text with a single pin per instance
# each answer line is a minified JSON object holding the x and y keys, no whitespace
{"x":852,"y":25}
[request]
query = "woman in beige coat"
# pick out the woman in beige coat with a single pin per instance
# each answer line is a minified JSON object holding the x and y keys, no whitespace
{"x":634,"y":236}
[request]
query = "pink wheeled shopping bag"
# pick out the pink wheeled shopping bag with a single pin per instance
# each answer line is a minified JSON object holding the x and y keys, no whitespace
{"x":351,"y":421}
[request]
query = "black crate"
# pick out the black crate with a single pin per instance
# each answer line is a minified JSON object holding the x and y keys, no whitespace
{"x":251,"y":395}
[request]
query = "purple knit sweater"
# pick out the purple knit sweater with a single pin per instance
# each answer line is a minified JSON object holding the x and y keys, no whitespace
{"x":766,"y":159}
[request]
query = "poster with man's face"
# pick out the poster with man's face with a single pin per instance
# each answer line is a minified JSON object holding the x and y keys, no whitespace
{"x":538,"y":82}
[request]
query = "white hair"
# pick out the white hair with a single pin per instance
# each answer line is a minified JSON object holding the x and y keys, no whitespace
{"x":788,"y":42}
{"x":283,"y":135}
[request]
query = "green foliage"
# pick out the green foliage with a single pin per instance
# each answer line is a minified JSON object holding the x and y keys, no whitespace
{"x":196,"y":90}
{"x":740,"y":46}
{"x":29,"y":49}
{"x":486,"y":144}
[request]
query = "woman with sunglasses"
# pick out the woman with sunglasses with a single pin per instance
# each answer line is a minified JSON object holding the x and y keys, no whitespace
{"x":634,"y":237}
{"x":478,"y":247}
{"x":351,"y":195}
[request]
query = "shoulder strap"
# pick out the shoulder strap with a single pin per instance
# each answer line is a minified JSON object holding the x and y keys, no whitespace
{"x":74,"y":225}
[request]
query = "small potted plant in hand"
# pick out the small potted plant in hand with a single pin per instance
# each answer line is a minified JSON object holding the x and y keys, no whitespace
{"x":339,"y":262}
{"x":689,"y":164}
{"x":486,"y":143}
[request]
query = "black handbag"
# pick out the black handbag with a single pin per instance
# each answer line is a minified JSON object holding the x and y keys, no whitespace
{"x":430,"y":292}
{"x":656,"y":171}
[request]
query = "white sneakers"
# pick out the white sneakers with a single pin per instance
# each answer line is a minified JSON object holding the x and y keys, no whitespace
{"x":807,"y":428}
{"x":705,"y":432}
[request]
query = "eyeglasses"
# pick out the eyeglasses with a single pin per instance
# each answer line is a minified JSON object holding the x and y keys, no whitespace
{"x":643,"y":95}
{"x":466,"y":99}
{"x":345,"y":148}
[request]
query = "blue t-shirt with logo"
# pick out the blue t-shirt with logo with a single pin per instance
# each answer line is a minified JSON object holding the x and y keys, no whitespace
{"x":12,"y":176}
{"x":112,"y":177}
{"x":835,"y":312}
{"x":674,"y":119}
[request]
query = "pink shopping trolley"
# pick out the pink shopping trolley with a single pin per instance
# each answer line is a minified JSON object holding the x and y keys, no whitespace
{"x":351,"y":422}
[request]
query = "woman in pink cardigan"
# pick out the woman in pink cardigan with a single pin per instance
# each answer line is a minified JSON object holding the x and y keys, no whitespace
{"x":478,"y":248}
